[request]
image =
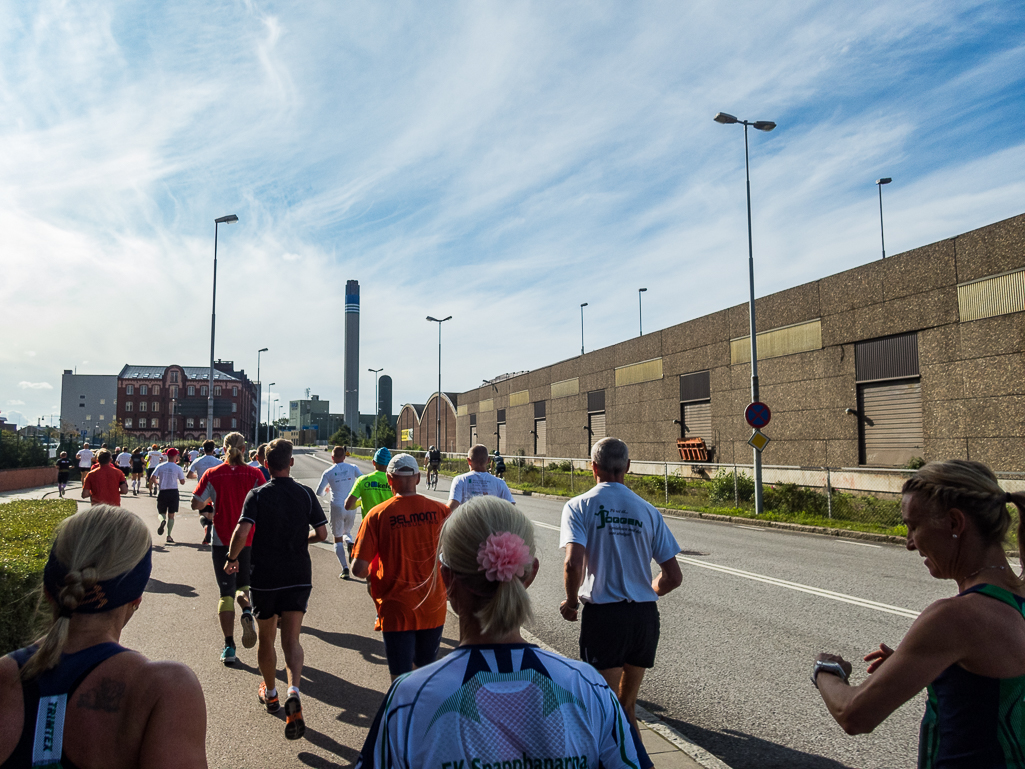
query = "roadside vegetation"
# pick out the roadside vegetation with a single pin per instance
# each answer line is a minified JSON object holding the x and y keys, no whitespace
{"x":26,"y":533}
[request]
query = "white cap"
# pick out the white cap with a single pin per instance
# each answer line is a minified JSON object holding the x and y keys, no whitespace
{"x":403,"y":464}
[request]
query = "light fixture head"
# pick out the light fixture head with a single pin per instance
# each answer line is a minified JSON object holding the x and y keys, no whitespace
{"x":641,"y":290}
{"x":764,"y":125}
{"x":884,"y":180}
{"x":725,"y":118}
{"x":262,"y":349}
{"x":583,"y":304}
{"x":229,"y":219}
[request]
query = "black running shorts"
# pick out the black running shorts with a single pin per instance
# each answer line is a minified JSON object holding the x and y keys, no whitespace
{"x":167,"y":501}
{"x":229,"y":584}
{"x":617,"y":634}
{"x":270,"y":603}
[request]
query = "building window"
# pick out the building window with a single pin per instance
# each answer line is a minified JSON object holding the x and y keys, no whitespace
{"x":190,"y":423}
{"x":129,"y":406}
{"x":156,"y":389}
{"x":174,"y":392}
{"x":234,"y":408}
{"x":142,"y":423}
{"x":234,"y":391}
{"x":217,"y":422}
{"x":154,"y":424}
{"x":174,"y":377}
{"x":203,"y":390}
{"x":217,"y":392}
{"x":202,"y":422}
{"x":81,"y":405}
{"x":234,"y":423}
{"x":191,"y":390}
{"x":101,"y":417}
{"x":128,"y":423}
{"x":155,"y":406}
{"x":129,"y":390}
{"x":143,"y":406}
{"x":143,"y":390}
{"x":103,"y":401}
{"x":88,"y":417}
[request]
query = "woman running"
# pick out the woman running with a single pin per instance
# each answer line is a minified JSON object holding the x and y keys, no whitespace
{"x":137,"y":469}
{"x":969,"y":650}
{"x":115,"y":708}
{"x":497,"y":699}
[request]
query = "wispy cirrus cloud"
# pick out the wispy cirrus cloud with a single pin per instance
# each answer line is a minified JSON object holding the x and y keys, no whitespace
{"x":498,"y":163}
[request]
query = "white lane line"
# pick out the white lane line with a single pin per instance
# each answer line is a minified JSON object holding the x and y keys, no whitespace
{"x":863,"y":602}
{"x":752,"y":528}
{"x":859,"y":544}
{"x":547,"y":526}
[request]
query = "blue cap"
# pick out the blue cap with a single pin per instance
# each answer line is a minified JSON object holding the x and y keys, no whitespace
{"x":382,"y":457}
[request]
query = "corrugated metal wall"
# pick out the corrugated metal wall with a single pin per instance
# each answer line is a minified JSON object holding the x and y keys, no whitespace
{"x":596,"y":400}
{"x":597,"y":424}
{"x":488,"y":405}
{"x":540,"y":411}
{"x":635,"y":373}
{"x":892,"y":357}
{"x":786,"y":340}
{"x":540,"y":437}
{"x":566,"y":387}
{"x":695,"y":387}
{"x":697,"y":421}
{"x":891,"y":422}
{"x":521,"y":398}
{"x":991,"y":296}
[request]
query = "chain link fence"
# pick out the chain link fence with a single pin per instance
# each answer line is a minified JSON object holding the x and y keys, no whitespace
{"x":859,"y":498}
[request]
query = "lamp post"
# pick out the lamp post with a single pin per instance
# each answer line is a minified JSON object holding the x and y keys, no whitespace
{"x":879,"y":184}
{"x":582,"y":306}
{"x":269,"y":385}
{"x":229,"y":219}
{"x":640,"y":312}
{"x":276,"y":431}
{"x":259,"y":390}
{"x":437,"y":407}
{"x":759,"y":125}
{"x":377,"y":403}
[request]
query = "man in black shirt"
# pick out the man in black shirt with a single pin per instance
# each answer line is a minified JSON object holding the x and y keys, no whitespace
{"x":282,"y":512}
{"x":63,"y":471}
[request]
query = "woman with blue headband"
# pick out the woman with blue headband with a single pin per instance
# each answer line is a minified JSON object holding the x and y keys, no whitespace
{"x":76,"y":698}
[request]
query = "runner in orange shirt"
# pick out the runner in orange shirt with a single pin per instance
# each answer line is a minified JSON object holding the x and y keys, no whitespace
{"x":105,"y":484}
{"x":402,"y":533}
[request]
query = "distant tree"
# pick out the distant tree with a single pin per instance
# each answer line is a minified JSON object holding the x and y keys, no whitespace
{"x":343,"y":437}
{"x":385,"y":433}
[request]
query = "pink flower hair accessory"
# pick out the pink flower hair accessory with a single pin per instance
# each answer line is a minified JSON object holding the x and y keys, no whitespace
{"x":503,"y":556}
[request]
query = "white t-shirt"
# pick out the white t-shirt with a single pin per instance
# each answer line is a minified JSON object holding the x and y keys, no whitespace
{"x":154,"y":458}
{"x":192,"y":455}
{"x":473,"y":484}
{"x":85,"y":458}
{"x":622,"y":535}
{"x":203,"y":464}
{"x":124,"y":459}
{"x":501,"y":705}
{"x":168,"y":475}
{"x":340,"y":478}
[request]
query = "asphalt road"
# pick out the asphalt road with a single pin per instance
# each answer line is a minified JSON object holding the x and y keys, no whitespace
{"x":739,"y":637}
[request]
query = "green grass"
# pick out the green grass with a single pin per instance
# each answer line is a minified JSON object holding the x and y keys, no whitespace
{"x":26,"y":533}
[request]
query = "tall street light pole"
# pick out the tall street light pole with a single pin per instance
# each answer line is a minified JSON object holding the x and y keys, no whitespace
{"x":759,"y":125}
{"x":582,"y":306}
{"x":879,"y":184}
{"x":437,"y":406}
{"x":276,"y":431}
{"x":259,"y":390}
{"x":640,"y":312}
{"x":270,"y":385}
{"x":377,"y":403}
{"x":229,"y":219}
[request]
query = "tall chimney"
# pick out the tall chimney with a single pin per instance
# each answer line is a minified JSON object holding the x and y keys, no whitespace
{"x":351,"y":379}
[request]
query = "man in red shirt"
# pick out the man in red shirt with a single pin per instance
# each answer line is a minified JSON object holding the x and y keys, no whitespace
{"x":403,"y":534}
{"x":105,"y":484}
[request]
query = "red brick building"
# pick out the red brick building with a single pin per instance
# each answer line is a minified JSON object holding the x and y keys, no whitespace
{"x":162,"y":403}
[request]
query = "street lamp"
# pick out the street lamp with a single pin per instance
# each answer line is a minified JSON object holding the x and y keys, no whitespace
{"x":879,"y":184}
{"x":229,"y":219}
{"x":270,"y":385}
{"x":377,"y":403}
{"x":437,"y":408}
{"x":259,"y":390}
{"x":640,"y":312}
{"x":582,"y":306}
{"x":276,"y":431}
{"x":759,"y":125}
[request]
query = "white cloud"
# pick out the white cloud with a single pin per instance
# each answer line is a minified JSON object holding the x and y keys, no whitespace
{"x":291,"y":257}
{"x":15,"y":403}
{"x":35,"y":385}
{"x":30,"y":353}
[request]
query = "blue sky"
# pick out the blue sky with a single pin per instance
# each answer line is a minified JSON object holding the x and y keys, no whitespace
{"x":497,"y":162}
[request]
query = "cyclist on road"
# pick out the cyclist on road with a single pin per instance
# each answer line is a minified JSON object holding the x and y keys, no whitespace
{"x":432,"y":463}
{"x":499,"y":469}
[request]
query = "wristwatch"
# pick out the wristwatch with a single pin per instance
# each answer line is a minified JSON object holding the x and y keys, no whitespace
{"x":231,"y":560}
{"x":833,"y":668}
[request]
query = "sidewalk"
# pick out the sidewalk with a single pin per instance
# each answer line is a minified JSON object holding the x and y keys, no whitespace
{"x":344,"y":677}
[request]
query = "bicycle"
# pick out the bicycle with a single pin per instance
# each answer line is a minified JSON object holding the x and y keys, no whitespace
{"x":432,"y":478}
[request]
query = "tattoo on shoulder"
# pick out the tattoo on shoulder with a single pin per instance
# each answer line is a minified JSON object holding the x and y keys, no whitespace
{"x":106,"y":696}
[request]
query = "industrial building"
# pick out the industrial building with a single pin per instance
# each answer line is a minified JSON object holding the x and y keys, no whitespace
{"x":918,"y":355}
{"x":88,"y":402}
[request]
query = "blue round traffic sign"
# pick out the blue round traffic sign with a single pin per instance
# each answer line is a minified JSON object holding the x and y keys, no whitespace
{"x":758,"y":415}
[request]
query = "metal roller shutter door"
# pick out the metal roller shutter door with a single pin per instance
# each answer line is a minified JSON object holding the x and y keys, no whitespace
{"x":473,"y":435}
{"x":697,"y":421}
{"x":541,"y":439}
{"x":597,"y":424}
{"x":501,"y":438}
{"x":891,"y":423}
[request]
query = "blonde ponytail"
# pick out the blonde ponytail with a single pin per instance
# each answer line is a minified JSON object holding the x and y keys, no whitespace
{"x":235,"y":448}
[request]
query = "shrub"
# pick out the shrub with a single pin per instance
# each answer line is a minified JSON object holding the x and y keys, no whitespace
{"x":26,"y":533}
{"x":914,"y":463}
{"x":791,"y":498}
{"x":19,"y":452}
{"x":721,"y":488}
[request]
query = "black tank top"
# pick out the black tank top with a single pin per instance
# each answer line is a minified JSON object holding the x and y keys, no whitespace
{"x":46,"y":698}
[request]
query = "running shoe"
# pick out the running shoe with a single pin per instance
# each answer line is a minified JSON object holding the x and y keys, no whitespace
{"x":206,"y":539}
{"x":348,"y":547}
{"x":295,"y":727}
{"x":160,"y":528}
{"x":271,"y":703}
{"x":344,"y":574}
{"x":249,"y":631}
{"x":169,"y":541}
{"x":228,"y":655}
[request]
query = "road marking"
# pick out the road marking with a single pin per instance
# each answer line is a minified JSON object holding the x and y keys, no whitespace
{"x":547,"y":526}
{"x":863,"y":602}
{"x":752,"y":528}
{"x":860,"y":544}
